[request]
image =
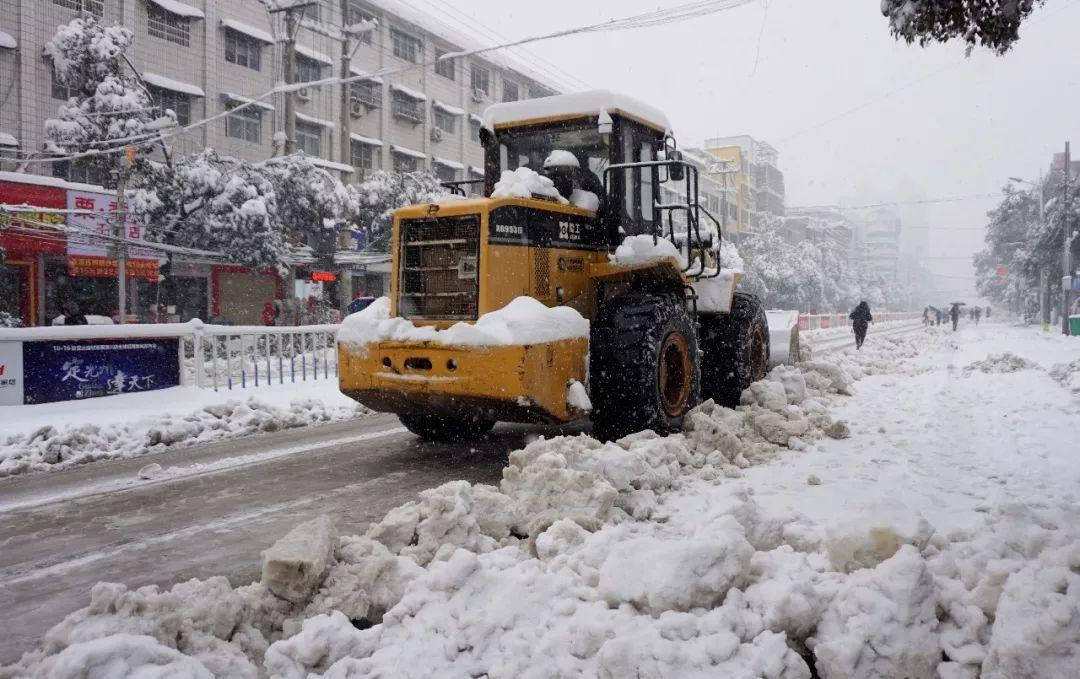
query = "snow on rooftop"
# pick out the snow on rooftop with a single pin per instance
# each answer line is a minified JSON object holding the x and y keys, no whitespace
{"x":313,"y":54}
{"x":476,"y":170}
{"x":313,"y":120}
{"x":365,"y":140}
{"x":367,"y":76}
{"x":448,"y":163}
{"x":406,"y":151}
{"x":408,"y":92}
{"x":329,"y":164}
{"x":452,"y":110}
{"x":170,"y":84}
{"x":7,"y":42}
{"x":179,"y":9}
{"x":588,"y":103}
{"x":8,"y":140}
{"x":230,"y":96}
{"x":250,"y":31}
{"x":42,"y":180}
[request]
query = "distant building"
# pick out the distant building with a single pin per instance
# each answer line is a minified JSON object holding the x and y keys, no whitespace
{"x":878,"y":243}
{"x":820,"y":225}
{"x":756,"y":178}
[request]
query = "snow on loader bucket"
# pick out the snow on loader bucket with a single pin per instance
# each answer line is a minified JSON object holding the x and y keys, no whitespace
{"x":783,"y":337}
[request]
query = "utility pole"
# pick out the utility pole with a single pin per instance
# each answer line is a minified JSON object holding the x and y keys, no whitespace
{"x":120,"y":232}
{"x":350,"y":41}
{"x":294,"y":13}
{"x":1066,"y":262}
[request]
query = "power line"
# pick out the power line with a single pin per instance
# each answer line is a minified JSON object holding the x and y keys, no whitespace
{"x":895,"y":203}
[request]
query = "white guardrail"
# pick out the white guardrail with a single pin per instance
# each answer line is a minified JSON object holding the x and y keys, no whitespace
{"x":221,"y":356}
{"x":242,"y":356}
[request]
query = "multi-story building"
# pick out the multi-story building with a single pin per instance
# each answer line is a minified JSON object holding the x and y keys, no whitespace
{"x":756,"y":177}
{"x":202,"y":57}
{"x":821,"y":225}
{"x":712,"y":194}
{"x":878,"y":243}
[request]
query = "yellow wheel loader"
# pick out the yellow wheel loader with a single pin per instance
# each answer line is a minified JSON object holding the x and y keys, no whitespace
{"x":664,"y":332}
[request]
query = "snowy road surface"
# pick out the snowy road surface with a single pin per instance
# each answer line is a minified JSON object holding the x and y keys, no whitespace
{"x":212,"y":510}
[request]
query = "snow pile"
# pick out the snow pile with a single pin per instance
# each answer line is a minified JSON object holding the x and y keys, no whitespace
{"x":586,"y":200}
{"x":50,"y":448}
{"x":648,"y":556}
{"x":525,"y":183}
{"x":1001,"y":363}
{"x":644,"y":249}
{"x":524,"y":320}
{"x":561,"y":158}
{"x":1068,"y":375}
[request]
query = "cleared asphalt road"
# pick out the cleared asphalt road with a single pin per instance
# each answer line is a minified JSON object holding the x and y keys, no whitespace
{"x":211,"y":512}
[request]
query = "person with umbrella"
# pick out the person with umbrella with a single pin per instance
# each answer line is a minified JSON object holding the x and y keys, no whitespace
{"x":860,"y":319}
{"x":954,"y":314}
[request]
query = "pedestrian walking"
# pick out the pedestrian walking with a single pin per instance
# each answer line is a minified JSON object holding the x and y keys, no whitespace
{"x":978,"y":314}
{"x":954,"y":314}
{"x":926,"y":316}
{"x":860,"y":319}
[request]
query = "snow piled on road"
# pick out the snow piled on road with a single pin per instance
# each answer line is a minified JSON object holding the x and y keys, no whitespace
{"x":82,"y":439}
{"x":650,"y":556}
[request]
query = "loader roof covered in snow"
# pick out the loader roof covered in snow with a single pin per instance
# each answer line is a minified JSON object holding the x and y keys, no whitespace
{"x":578,"y":104}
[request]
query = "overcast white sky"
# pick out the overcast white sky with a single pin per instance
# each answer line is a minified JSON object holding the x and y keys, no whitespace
{"x":930,"y":123}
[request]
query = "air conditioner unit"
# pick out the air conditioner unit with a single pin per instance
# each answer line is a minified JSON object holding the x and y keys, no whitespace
{"x":478,"y":94}
{"x":356,"y":109}
{"x":304,"y":93}
{"x":436,"y":134}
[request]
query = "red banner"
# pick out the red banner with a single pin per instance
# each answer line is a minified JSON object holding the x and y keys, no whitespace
{"x":103,"y":267}
{"x":28,"y":236}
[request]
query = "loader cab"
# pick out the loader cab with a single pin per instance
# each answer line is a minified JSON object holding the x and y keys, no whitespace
{"x":599,"y":141}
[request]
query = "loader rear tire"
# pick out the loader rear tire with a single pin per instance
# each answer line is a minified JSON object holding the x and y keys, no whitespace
{"x":644,"y":370}
{"x":446,"y":429}
{"x":735,"y":350}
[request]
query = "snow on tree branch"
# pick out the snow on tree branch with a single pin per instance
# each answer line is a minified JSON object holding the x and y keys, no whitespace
{"x":991,"y":23}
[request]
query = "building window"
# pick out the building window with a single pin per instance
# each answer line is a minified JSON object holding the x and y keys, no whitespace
{"x":179,"y":102}
{"x":367,"y":92}
{"x":308,"y":138}
{"x":244,"y":123}
{"x":407,"y":108}
{"x":307,"y":69}
{"x":167,"y":26}
{"x":95,"y":7}
{"x":404,"y":163}
{"x":447,"y":122}
{"x":364,"y":157}
{"x":59,"y":91}
{"x":313,"y":11}
{"x":445,"y":67}
{"x":475,"y":176}
{"x":243,"y":50}
{"x":356,"y":15}
{"x":510,"y":90}
{"x":444,"y":173}
{"x":406,"y":46}
{"x":480,"y":79}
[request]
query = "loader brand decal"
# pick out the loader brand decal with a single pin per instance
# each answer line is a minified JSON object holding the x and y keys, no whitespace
{"x":516,"y":225}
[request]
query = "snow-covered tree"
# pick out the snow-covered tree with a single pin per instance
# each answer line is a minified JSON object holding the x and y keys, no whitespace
{"x":312,"y":204}
{"x":1018,"y":246}
{"x":108,"y":106}
{"x":383,"y":192}
{"x":991,"y":23}
{"x":212,"y":203}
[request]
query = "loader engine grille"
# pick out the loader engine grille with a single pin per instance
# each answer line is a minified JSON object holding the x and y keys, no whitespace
{"x":439,"y":268}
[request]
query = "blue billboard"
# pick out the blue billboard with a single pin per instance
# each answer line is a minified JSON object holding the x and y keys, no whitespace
{"x":66,"y":370}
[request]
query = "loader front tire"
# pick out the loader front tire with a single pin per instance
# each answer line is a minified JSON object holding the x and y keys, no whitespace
{"x":644,"y":368}
{"x":735,"y":350}
{"x":445,"y":429}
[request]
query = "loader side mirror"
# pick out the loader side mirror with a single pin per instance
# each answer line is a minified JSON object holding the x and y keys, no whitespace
{"x":676,"y":171}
